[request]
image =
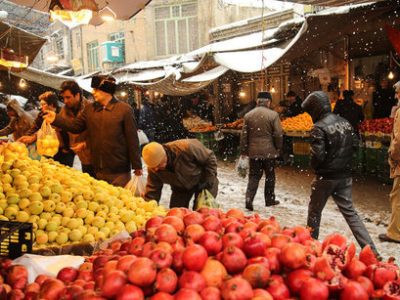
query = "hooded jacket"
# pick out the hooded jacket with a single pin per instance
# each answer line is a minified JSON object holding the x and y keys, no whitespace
{"x":19,"y":125}
{"x":331,"y":139}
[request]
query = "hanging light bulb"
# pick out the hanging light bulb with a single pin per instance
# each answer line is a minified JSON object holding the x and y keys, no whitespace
{"x":123,"y":94}
{"x":273,"y":91}
{"x":107,"y":14}
{"x":390,"y":75}
{"x":22,"y":83}
{"x":242,"y":94}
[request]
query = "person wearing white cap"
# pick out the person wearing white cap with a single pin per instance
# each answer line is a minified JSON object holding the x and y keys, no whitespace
{"x":186,"y":165}
{"x":393,"y":231}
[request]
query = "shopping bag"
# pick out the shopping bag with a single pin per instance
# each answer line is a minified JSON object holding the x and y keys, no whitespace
{"x":47,"y":140}
{"x":143,"y":139}
{"x":137,"y":186}
{"x":205,"y":199}
{"x":32,"y":151}
{"x":242,"y":166}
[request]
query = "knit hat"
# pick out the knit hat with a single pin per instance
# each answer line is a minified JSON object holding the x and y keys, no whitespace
{"x":153,"y":154}
{"x":264,"y":95}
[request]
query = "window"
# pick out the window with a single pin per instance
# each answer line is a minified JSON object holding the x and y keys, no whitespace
{"x":120,"y":38}
{"x":93,"y":56}
{"x":78,"y":39}
{"x":176,"y":29}
{"x":60,"y":48}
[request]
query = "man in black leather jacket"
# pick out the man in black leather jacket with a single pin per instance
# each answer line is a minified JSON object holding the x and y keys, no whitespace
{"x":331,"y":153}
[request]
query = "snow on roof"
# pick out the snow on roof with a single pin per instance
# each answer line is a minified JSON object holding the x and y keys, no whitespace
{"x":342,"y":9}
{"x":270,"y":4}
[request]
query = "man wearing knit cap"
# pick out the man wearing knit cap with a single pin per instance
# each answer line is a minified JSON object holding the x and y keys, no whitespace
{"x":186,"y":165}
{"x":393,"y":231}
{"x":261,"y":140}
{"x":111,"y":133}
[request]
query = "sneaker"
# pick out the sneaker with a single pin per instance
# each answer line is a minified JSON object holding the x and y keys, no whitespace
{"x":273,"y":203}
{"x":384,"y":238}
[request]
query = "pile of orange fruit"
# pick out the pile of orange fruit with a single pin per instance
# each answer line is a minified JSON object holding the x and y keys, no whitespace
{"x":302,"y":122}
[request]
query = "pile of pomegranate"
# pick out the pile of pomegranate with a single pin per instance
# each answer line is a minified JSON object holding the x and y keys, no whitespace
{"x":213,"y":255}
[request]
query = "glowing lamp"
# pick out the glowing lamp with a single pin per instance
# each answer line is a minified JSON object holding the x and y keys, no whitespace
{"x":242,"y":94}
{"x":391,"y":75}
{"x":10,"y":60}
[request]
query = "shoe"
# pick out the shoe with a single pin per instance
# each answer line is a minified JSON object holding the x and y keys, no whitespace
{"x":249,"y":206}
{"x":383,"y":237}
{"x":273,"y":203}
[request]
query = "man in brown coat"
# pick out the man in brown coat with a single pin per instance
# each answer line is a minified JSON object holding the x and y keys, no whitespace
{"x":261,"y":141}
{"x":186,"y":165}
{"x":112,"y":133}
{"x":74,"y":105}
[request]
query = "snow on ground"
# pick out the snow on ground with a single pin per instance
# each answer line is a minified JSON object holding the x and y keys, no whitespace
{"x":371,"y":200}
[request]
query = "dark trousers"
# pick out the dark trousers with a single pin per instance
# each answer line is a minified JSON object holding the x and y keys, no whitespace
{"x":89,"y":169}
{"x":66,"y":159}
{"x":257,"y":168}
{"x":181,"y":197}
{"x":340,"y":190}
{"x":117,"y":179}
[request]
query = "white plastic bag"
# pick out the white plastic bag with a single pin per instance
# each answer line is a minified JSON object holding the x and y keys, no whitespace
{"x":137,"y":186}
{"x":242,"y":166}
{"x":143,"y":139}
{"x":47,"y":141}
{"x":47,"y":265}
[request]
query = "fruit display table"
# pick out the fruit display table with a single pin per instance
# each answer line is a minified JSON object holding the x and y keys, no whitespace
{"x":211,"y":254}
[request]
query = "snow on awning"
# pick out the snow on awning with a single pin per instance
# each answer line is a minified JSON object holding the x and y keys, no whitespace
{"x":172,"y":87}
{"x":208,"y":75}
{"x":141,"y":76}
{"x":256,"y":60}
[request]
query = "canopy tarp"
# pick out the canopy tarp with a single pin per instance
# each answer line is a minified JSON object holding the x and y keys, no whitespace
{"x":23,"y":43}
{"x":207,"y":75}
{"x":124,"y":10}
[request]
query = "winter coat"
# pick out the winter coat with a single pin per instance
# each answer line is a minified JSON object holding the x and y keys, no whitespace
{"x":383,"y":100}
{"x":190,"y":165}
{"x":112,"y":135}
{"x":332,"y":139}
{"x":261,"y":134}
{"x":351,"y":111}
{"x":394,"y":148}
{"x":67,"y":113}
{"x":19,"y":125}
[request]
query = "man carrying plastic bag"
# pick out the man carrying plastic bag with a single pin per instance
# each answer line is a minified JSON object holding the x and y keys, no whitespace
{"x":186,"y":165}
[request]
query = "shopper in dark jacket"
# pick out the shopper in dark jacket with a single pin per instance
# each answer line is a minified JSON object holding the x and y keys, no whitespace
{"x":349,"y":110}
{"x":112,"y":133}
{"x":294,"y":108}
{"x":186,"y":165}
{"x":383,"y":99}
{"x":331,"y":152}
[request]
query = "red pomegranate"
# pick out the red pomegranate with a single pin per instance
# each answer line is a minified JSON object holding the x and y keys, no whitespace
{"x":185,"y":294}
{"x":113,"y":283}
{"x":211,"y":241}
{"x":212,"y":223}
{"x":257,"y":275}
{"x":256,"y":244}
{"x":136,"y":246}
{"x":391,"y":290}
{"x":17,"y":276}
{"x":296,"y":278}
{"x":355,"y":268}
{"x":314,"y":289}
{"x":67,"y":274}
{"x":125,"y":262}
{"x":194,"y":257}
{"x":154,"y":222}
{"x":130,"y":292}
{"x":143,"y":272}
{"x":232,"y":239}
{"x":194,"y":232}
{"x":236,"y":288}
{"x":293,"y":255}
{"x":162,"y":296}
{"x":192,"y":280}
{"x":166,"y":233}
{"x":51,"y":289}
{"x":233,"y":259}
{"x":166,"y":281}
{"x":354,"y":291}
{"x":175,"y":222}
{"x":210,"y":293}
{"x":367,"y":256}
{"x":161,"y":258}
{"x":193,"y":218}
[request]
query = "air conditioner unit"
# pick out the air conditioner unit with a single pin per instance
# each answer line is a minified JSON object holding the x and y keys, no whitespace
{"x":112,"y":52}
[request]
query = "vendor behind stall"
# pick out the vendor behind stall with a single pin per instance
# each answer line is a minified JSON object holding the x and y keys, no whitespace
{"x":294,"y":107}
{"x":383,"y":100}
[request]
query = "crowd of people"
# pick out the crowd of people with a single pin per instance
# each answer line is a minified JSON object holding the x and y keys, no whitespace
{"x":103,"y":134}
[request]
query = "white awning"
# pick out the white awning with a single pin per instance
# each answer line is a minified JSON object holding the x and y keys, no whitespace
{"x":208,"y":75}
{"x":141,"y":76}
{"x":255,"y":60}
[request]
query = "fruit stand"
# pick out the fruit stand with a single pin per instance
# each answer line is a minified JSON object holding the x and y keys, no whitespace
{"x":177,"y":254}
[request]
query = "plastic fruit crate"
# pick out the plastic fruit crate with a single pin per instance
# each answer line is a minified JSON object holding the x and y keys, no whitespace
{"x":16,"y":238}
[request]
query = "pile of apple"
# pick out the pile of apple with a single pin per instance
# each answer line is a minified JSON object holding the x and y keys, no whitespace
{"x":210,"y":255}
{"x":65,"y":205}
